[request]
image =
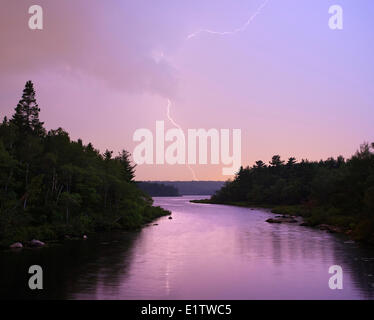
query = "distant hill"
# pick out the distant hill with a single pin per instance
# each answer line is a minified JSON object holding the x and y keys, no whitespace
{"x":158,"y":189}
{"x":193,"y":187}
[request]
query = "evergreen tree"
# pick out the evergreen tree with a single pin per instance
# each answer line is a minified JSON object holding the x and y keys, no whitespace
{"x":51,"y":186}
{"x":334,"y":191}
{"x":260,"y":164}
{"x":276,"y":161}
{"x":26,"y":116}
{"x":128,"y":169}
{"x":291,"y":161}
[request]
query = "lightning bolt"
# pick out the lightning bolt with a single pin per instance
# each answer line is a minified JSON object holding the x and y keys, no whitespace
{"x":179,"y":127}
{"x":237,"y":30}
{"x":223,"y":33}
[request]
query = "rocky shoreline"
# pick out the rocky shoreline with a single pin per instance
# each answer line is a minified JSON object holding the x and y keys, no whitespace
{"x":296,"y":219}
{"x":38,"y":244}
{"x":284,"y":218}
{"x":29,"y":244}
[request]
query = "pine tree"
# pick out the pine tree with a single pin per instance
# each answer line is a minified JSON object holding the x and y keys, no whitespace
{"x":26,"y":116}
{"x":128,"y":169}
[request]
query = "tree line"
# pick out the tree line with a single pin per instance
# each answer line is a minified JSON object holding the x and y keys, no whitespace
{"x":51,"y":186}
{"x":335,"y":191}
{"x":158,"y":189}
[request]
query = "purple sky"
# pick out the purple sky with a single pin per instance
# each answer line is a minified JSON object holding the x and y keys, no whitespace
{"x":103,"y":69}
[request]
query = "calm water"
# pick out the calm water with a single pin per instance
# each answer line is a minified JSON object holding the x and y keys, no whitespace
{"x":205,"y":252}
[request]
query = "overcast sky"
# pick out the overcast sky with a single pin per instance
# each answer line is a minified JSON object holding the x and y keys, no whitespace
{"x":103,"y":69}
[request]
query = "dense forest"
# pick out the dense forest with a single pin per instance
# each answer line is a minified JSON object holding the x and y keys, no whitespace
{"x":336,"y":191}
{"x":158,"y":189}
{"x":52,"y":187}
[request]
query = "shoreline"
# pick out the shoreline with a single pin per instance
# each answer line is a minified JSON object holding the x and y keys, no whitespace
{"x":66,"y":236}
{"x":289,"y":211}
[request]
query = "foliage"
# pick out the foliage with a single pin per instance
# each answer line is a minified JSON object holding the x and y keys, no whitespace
{"x":336,"y":191}
{"x":51,"y":186}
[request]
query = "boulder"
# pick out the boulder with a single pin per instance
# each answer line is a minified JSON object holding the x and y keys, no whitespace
{"x":331,"y":229}
{"x":273,"y":221}
{"x":17,"y":245}
{"x":336,"y":230}
{"x":289,"y":220}
{"x":36,"y":243}
{"x":282,"y":219}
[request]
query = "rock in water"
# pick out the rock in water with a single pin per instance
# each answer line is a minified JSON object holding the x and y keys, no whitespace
{"x":273,"y":221}
{"x":36,"y":243}
{"x":170,"y":218}
{"x":282,"y":219}
{"x":331,"y":229}
{"x":16,"y":245}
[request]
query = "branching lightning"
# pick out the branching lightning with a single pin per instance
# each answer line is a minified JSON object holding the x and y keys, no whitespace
{"x":180,"y":128}
{"x":237,"y":30}
{"x":223,"y":33}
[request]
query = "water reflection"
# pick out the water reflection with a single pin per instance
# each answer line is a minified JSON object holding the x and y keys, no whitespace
{"x":205,"y":252}
{"x":87,"y":267}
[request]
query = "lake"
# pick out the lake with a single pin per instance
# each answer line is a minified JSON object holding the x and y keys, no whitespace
{"x":205,"y":252}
